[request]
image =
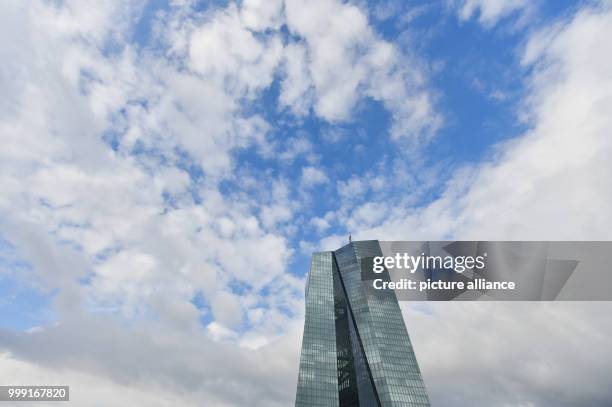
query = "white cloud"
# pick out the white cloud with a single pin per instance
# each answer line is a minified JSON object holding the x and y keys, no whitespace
{"x":296,"y":147}
{"x":334,"y":134}
{"x":513,"y":353}
{"x":552,"y":182}
{"x":86,"y":388}
{"x":128,"y":265}
{"x":226,"y":309}
{"x":221,"y":333}
{"x":130,"y":360}
{"x":272,"y":215}
{"x":352,"y":188}
{"x":312,"y":176}
{"x":260,"y":15}
{"x":371,"y":213}
{"x":75,"y":208}
{"x":225,"y":51}
{"x":344,"y":61}
{"x":321,"y":224}
{"x":297,"y":85}
{"x":489,"y":12}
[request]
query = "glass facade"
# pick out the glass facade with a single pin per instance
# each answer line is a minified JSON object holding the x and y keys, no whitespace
{"x":356,"y":350}
{"x":318,"y":377}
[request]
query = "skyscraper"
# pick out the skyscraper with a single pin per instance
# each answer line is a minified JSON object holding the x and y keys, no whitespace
{"x":356,"y":350}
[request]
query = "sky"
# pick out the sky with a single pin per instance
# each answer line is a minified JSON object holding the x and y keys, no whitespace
{"x":168,"y":167}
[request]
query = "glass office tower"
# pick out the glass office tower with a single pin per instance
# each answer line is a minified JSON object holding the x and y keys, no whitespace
{"x":356,"y":350}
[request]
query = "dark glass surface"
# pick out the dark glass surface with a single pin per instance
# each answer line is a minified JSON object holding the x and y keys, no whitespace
{"x":356,"y":350}
{"x":318,"y":376}
{"x":347,"y":380}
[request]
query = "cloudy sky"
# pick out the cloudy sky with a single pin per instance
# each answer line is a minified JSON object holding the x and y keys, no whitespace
{"x":168,"y":167}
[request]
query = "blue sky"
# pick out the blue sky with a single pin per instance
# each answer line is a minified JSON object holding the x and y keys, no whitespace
{"x":474,"y":75}
{"x":170,"y":166}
